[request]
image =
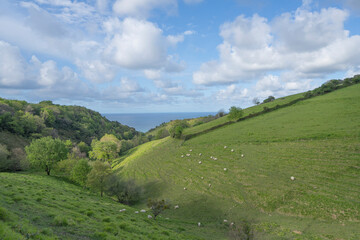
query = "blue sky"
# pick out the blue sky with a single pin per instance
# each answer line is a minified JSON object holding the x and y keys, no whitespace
{"x":120,"y":56}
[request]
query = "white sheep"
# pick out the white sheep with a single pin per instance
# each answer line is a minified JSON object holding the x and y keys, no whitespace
{"x":188,"y":154}
{"x":176,"y":207}
{"x":190,"y":169}
{"x":232,"y":150}
{"x":200,"y":162}
{"x":136,"y":211}
{"x":225,"y":221}
{"x":225,"y":169}
{"x":231,"y":224}
{"x":209,"y":184}
{"x":122,"y":210}
{"x":142,"y":210}
{"x":202,"y":177}
{"x":200,"y":154}
{"x":211,"y":157}
{"x":225,"y":146}
{"x":190,"y":150}
{"x":184,"y":188}
{"x":242,"y":155}
{"x":182,"y":156}
{"x":292,"y":178}
{"x":215,"y":159}
{"x":149,"y":216}
{"x":199,"y":224}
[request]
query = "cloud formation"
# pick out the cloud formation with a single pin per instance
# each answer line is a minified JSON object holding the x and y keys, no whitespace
{"x":300,"y":45}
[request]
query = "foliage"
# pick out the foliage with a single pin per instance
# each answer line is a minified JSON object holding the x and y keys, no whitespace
{"x":256,"y":101}
{"x":242,"y":231}
{"x":98,"y":175}
{"x":157,"y":206}
{"x":103,"y":151}
{"x":80,"y":171}
{"x":162,"y":133}
{"x":84,"y":148}
{"x":4,"y":158}
{"x":46,"y":152}
{"x":126,"y":191}
{"x":235,"y":113}
{"x":67,"y":122}
{"x":269,"y":99}
{"x":177,"y":128}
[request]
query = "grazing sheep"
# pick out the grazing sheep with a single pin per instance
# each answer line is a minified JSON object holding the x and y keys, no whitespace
{"x":136,"y":211}
{"x":199,"y":224}
{"x":176,"y":206}
{"x":190,"y":169}
{"x":225,"y":146}
{"x":292,"y":178}
{"x":225,"y":221}
{"x":142,"y":210}
{"x":184,"y":188}
{"x":200,"y":154}
{"x":200,"y":162}
{"x":209,"y":184}
{"x":122,"y":210}
{"x":149,"y":216}
{"x":188,"y":154}
{"x":182,"y":156}
{"x":232,"y":150}
{"x":190,"y":150}
{"x":211,"y":157}
{"x":231,"y":224}
{"x":242,"y":155}
{"x":225,"y":169}
{"x":215,"y":159}
{"x":202,"y":177}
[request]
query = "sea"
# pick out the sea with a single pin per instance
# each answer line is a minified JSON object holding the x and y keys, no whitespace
{"x":143,"y":122}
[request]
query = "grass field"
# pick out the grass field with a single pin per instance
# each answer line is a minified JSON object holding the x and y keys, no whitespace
{"x":40,"y":207}
{"x":317,"y":141}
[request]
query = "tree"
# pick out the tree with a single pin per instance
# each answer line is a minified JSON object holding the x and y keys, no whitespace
{"x":4,"y":158}
{"x":80,"y":172}
{"x":98,"y":175}
{"x":46,"y":152}
{"x":269,"y":99}
{"x":103,"y":151}
{"x":126,"y":191}
{"x":220,"y":113}
{"x":235,"y":113}
{"x":256,"y":101}
{"x":177,"y":128}
{"x":157,"y":206}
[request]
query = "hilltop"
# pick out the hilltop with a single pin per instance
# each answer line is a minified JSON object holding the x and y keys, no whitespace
{"x":315,"y":140}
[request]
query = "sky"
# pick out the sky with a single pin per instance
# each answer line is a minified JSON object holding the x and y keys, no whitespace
{"x":143,"y":56}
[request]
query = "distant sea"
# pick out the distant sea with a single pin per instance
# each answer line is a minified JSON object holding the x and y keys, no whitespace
{"x":143,"y":122}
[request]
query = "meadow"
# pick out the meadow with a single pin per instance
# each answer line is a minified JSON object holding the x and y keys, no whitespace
{"x":317,"y":141}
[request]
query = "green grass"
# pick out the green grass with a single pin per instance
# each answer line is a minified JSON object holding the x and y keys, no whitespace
{"x":42,"y":207}
{"x":316,"y":140}
{"x":247,"y":111}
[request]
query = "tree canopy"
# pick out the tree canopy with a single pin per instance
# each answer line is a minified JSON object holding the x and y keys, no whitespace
{"x":46,"y":152}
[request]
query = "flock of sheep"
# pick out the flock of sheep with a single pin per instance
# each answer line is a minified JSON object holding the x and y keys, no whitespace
{"x":202,"y":178}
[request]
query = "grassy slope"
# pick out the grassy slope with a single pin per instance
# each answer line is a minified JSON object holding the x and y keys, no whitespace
{"x":42,"y":207}
{"x":316,"y":140}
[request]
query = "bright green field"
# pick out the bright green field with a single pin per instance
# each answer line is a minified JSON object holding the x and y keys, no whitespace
{"x":41,"y":207}
{"x":317,"y":141}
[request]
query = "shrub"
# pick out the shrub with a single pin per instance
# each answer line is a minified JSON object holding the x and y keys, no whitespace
{"x":235,"y":113}
{"x":157,"y":206}
{"x":61,"y":221}
{"x":269,"y":99}
{"x":126,"y":191}
{"x":3,"y":214}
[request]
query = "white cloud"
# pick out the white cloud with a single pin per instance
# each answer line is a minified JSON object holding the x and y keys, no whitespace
{"x":232,"y":93}
{"x":12,"y":66}
{"x":303,"y":44}
{"x":139,"y":44}
{"x":97,"y":71}
{"x":142,"y":8}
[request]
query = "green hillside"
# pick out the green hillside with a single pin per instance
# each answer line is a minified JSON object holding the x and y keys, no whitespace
{"x":317,"y":141}
{"x":41,"y":207}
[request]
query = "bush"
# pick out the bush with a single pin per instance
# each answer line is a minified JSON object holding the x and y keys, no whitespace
{"x":126,"y":191}
{"x":61,"y":221}
{"x":235,"y":113}
{"x":4,"y":216}
{"x":80,"y":172}
{"x":157,"y":206}
{"x":177,"y":128}
{"x":269,"y":99}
